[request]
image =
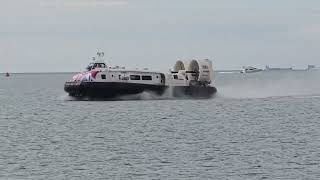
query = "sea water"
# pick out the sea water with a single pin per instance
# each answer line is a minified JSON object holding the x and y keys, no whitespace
{"x":259,"y":126}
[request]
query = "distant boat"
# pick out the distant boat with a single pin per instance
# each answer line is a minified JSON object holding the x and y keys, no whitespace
{"x":7,"y":74}
{"x":250,"y":69}
{"x":268,"y":68}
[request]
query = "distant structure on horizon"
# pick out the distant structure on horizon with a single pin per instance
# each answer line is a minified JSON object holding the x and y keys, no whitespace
{"x":268,"y":68}
{"x":310,"y":67}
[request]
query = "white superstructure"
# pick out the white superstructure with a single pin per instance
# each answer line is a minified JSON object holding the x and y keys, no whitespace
{"x":186,"y":73}
{"x":99,"y":71}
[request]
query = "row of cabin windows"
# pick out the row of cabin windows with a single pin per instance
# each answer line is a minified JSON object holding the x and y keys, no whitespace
{"x":132,"y":77}
{"x":138,"y":77}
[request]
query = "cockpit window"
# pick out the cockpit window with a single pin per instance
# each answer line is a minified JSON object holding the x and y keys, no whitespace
{"x":99,"y":65}
{"x":96,"y":65}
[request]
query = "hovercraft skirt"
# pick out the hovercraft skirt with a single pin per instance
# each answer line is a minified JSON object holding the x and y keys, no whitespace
{"x":109,"y":89}
{"x":194,"y":91}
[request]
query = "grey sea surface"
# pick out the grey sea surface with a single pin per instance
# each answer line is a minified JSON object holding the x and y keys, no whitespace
{"x":259,"y":126}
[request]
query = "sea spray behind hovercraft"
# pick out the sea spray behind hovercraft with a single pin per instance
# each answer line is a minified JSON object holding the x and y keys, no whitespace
{"x":268,"y":84}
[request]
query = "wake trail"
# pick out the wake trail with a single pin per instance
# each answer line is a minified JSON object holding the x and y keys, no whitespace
{"x":264,"y":85}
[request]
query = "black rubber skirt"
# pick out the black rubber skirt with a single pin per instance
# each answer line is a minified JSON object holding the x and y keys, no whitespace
{"x":109,"y":89}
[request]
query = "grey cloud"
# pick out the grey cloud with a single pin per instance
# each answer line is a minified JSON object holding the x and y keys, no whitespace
{"x":155,"y":33}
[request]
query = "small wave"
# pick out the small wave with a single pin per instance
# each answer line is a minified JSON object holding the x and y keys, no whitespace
{"x":142,"y":96}
{"x":228,"y":72}
{"x":146,"y":95}
{"x":66,"y":97}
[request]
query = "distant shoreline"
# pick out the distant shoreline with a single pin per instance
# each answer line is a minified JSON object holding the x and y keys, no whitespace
{"x":234,"y":70}
{"x":39,"y":72}
{"x":78,"y":72}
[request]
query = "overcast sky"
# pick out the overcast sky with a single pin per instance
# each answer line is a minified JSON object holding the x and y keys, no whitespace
{"x":62,"y":35}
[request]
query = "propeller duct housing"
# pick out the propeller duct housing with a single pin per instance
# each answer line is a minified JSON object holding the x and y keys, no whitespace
{"x":197,"y":70}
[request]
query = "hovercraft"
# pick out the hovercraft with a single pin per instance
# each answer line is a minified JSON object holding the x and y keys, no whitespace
{"x":189,"y":79}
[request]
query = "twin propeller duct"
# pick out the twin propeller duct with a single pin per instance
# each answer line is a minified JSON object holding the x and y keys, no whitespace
{"x":197,"y":70}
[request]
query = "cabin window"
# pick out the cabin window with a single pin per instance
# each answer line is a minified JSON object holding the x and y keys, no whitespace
{"x":147,"y":77}
{"x":175,"y":76}
{"x":157,"y":77}
{"x":134,"y":77}
{"x":103,"y":76}
{"x":205,"y":67}
{"x":112,"y":75}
